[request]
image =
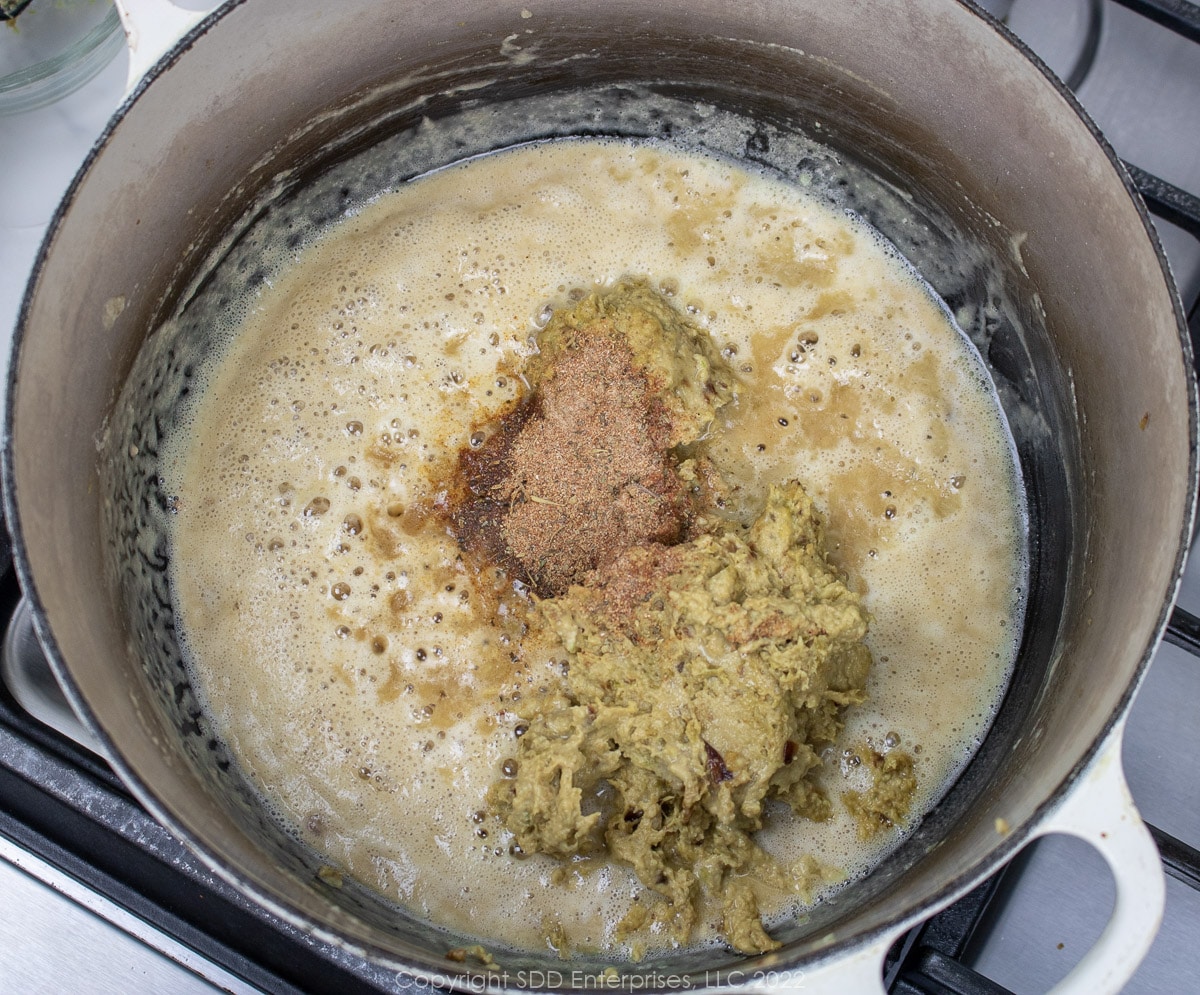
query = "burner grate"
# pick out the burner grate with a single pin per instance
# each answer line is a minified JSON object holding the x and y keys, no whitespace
{"x":1180,"y":16}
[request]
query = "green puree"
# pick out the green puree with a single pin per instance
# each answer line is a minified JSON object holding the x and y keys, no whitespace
{"x":703,"y":679}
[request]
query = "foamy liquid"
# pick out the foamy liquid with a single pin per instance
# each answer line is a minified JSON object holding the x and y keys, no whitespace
{"x":369,"y":683}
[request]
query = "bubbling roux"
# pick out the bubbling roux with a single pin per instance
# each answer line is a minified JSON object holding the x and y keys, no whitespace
{"x":369,"y":679}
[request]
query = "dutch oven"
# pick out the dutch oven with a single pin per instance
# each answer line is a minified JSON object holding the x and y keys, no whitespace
{"x":955,"y":143}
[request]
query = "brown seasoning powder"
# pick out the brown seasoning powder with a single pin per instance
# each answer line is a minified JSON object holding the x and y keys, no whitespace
{"x":579,"y":472}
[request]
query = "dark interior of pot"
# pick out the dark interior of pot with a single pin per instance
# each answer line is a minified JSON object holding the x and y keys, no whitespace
{"x":1013,"y":214}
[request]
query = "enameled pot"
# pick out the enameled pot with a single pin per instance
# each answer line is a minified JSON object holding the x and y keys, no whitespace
{"x":955,"y":143}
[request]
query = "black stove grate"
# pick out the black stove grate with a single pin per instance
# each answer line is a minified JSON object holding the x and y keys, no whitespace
{"x":1180,"y":16}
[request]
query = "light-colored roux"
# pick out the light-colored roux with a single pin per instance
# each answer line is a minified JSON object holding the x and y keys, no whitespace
{"x":369,"y":682}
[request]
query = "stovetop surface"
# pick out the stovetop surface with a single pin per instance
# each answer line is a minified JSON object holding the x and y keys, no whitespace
{"x":97,"y":896}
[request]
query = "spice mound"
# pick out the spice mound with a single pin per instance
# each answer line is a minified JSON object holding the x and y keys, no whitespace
{"x":585,"y":467}
{"x":689,"y":708}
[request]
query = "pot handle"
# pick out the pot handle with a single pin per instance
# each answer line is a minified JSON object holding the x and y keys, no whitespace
{"x":152,"y":27}
{"x":1100,"y":811}
{"x":860,"y":972}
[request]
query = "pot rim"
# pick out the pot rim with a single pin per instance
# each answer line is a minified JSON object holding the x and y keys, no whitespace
{"x":1006,"y":846}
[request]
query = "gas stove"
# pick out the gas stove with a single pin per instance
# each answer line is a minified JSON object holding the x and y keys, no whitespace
{"x":99,"y":897}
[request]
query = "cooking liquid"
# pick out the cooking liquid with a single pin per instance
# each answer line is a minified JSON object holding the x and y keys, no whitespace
{"x":370,"y":680}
